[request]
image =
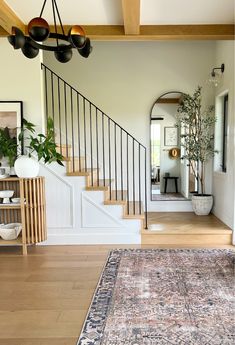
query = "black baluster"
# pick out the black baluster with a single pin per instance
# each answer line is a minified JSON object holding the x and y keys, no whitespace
{"x":103,"y":146}
{"x":133,"y":149}
{"x":110,"y":192}
{"x":52,"y":100}
{"x":59,"y":110}
{"x":127,"y":175}
{"x":145,"y":168}
{"x":115,"y":159}
{"x":65,"y":119}
{"x":97,"y":147}
{"x":84,"y":118}
{"x":79,"y":137}
{"x":72,"y":127}
{"x":91,"y":147}
{"x":45,"y":71}
{"x":121,"y":165}
{"x":139,"y":180}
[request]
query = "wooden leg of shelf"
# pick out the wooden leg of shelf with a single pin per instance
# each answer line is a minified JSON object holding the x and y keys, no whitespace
{"x":24,"y":248}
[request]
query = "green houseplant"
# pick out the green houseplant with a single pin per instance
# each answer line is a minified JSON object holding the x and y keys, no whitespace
{"x":8,"y":146}
{"x":197,"y":140}
{"x":43,"y":145}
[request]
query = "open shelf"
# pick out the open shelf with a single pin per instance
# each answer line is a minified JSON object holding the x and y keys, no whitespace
{"x":31,"y":213}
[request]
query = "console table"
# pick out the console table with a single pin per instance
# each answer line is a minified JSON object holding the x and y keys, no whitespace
{"x":30,"y":212}
{"x":175,"y":178}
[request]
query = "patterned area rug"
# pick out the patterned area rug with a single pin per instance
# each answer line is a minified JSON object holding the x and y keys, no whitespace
{"x":173,"y":296}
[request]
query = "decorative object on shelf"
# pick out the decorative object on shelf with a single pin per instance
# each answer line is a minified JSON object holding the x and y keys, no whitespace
{"x":10,"y":231}
{"x":6,"y":195}
{"x":197,"y":140}
{"x":43,"y":145}
{"x":15,"y":200}
{"x":170,"y":136}
{"x":39,"y":31}
{"x":216,"y":75}
{"x":10,"y":128}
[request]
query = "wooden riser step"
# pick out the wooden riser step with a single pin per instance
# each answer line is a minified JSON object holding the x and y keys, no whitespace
{"x":100,"y":184}
{"x":134,"y":210}
{"x":189,"y":237}
{"x":117,"y":197}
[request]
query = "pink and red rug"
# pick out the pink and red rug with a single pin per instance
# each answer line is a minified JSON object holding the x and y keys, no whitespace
{"x":173,"y":296}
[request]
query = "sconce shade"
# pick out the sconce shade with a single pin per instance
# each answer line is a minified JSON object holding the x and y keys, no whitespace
{"x":29,"y":51}
{"x":38,"y":29}
{"x":63,"y":55}
{"x":17,"y":39}
{"x":86,"y":49}
{"x":77,"y":36}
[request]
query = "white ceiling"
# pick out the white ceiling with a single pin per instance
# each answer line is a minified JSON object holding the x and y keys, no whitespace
{"x":108,"y":12}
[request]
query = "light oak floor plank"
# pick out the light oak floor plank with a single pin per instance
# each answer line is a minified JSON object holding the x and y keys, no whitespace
{"x":45,"y":296}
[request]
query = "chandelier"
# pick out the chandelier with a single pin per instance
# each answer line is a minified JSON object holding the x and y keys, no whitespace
{"x":39,"y":31}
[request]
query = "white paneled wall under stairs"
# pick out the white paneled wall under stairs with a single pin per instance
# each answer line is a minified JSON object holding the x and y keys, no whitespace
{"x":79,"y":213}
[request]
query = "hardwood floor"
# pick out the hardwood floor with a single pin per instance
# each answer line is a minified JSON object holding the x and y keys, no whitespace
{"x":44,"y":297}
{"x":185,"y":228}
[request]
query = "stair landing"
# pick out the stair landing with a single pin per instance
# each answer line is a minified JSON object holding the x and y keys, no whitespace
{"x":185,"y":228}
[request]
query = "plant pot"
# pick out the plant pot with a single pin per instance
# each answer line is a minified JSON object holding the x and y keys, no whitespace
{"x":202,"y":204}
{"x":26,"y":167}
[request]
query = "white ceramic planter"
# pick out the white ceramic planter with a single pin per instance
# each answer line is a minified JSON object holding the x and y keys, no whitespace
{"x":202,"y":204}
{"x":26,"y":167}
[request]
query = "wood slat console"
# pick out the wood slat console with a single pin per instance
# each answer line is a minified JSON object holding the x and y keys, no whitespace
{"x":30,"y":212}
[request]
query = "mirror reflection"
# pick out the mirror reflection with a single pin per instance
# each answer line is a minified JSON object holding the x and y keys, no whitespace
{"x":170,"y":175}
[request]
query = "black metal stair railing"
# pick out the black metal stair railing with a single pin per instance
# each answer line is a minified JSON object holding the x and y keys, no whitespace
{"x":94,"y":142}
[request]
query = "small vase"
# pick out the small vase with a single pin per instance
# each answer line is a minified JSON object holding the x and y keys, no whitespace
{"x":26,"y":167}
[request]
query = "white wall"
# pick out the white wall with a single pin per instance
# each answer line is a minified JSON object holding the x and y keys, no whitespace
{"x":20,"y":80}
{"x":125,"y":78}
{"x":223,"y":183}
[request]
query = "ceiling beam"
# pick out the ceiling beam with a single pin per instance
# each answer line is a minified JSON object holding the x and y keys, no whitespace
{"x":154,"y":32}
{"x":131,"y":16}
{"x":8,"y":19}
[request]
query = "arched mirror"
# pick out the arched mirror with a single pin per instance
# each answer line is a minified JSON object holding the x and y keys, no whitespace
{"x":171,"y":179}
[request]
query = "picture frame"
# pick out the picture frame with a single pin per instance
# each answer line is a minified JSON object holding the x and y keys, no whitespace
{"x":170,"y":136}
{"x":11,"y":116}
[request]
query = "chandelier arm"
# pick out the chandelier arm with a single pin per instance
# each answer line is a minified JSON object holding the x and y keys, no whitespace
{"x":58,"y":14}
{"x":43,"y":6}
{"x":54,"y":16}
{"x":52,"y":48}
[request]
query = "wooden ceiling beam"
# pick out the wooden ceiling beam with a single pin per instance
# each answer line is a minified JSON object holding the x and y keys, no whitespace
{"x":8,"y":19}
{"x":155,"y":32}
{"x":131,"y":16}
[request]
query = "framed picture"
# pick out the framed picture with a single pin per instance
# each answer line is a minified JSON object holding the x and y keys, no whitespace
{"x":11,"y":116}
{"x":170,"y":136}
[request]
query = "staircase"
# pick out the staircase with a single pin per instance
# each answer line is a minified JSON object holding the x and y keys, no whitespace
{"x":94,"y":146}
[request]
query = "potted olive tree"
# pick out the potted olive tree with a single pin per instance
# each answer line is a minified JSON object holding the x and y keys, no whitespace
{"x":197,"y":139}
{"x":43,"y":145}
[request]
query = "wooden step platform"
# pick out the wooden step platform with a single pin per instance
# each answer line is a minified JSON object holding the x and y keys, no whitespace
{"x":185,"y":228}
{"x":117,"y":197}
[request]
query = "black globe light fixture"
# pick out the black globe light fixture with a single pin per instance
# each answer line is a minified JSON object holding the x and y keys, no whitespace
{"x":39,"y":31}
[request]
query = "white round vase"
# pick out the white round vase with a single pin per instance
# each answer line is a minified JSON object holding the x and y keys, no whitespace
{"x":202,"y":204}
{"x":26,"y":167}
